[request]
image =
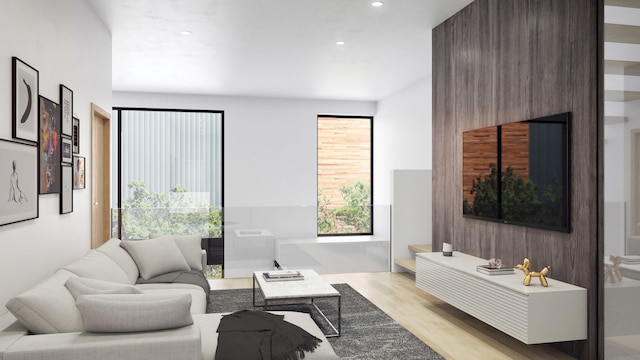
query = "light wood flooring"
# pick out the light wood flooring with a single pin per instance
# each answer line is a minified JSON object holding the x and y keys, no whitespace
{"x":449,"y":331}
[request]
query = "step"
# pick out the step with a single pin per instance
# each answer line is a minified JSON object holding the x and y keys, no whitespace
{"x":623,"y":3}
{"x":609,"y":120}
{"x":420,"y":248}
{"x":409,"y":264}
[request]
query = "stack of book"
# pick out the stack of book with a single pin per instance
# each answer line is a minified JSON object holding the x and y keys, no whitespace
{"x":493,"y":270}
{"x":282,"y":275}
{"x":630,"y":259}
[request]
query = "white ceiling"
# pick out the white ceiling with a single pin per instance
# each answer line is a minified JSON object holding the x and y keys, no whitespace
{"x":275,"y":48}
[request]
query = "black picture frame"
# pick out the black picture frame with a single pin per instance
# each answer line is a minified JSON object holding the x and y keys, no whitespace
{"x":24,"y":106}
{"x":49,"y":146}
{"x":66,"y":192}
{"x":79,"y":181}
{"x":76,"y":135}
{"x":67,"y":150}
{"x":66,"y":110}
{"x":19,"y":165}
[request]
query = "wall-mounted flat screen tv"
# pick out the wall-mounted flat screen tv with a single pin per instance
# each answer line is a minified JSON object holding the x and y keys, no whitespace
{"x":518,"y":173}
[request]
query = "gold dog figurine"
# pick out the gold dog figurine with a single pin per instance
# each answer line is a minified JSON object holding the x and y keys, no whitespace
{"x":612,"y":271}
{"x":529,"y":274}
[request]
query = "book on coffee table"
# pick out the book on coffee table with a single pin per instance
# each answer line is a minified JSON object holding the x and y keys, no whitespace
{"x":282,"y":276}
{"x":283,"y":273}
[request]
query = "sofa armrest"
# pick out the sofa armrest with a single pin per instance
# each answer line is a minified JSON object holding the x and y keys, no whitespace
{"x":204,"y":262}
{"x":180,"y":343}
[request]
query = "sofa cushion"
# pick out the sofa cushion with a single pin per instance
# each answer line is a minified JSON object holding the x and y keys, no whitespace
{"x":97,"y":265}
{"x":155,"y":257}
{"x":47,"y":307}
{"x":78,"y":286}
{"x":190,"y":247}
{"x":121,"y":257}
{"x":134,"y":312}
{"x":198,"y":297}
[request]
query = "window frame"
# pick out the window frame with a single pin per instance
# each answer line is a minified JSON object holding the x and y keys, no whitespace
{"x":214,"y":245}
{"x":371,"y":152}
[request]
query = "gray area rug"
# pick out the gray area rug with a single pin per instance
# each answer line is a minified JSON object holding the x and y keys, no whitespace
{"x":367,"y":332}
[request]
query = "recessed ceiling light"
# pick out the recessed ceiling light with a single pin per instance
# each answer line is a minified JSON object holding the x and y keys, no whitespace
{"x":185,"y":32}
{"x":339,"y":42}
{"x":377,"y":3}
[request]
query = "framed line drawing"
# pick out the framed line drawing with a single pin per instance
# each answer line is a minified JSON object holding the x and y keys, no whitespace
{"x":66,"y":110}
{"x":78,"y":172}
{"x":25,"y":90}
{"x":76,"y":135}
{"x":66,"y":193}
{"x":49,"y":153}
{"x":18,"y":182}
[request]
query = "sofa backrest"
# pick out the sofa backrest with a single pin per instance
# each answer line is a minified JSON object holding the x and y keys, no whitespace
{"x":98,"y":265}
{"x":121,"y":257}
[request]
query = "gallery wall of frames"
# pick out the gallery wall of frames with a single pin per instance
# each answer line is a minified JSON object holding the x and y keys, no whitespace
{"x":43,"y":156}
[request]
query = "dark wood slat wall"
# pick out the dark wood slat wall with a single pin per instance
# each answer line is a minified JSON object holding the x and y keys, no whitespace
{"x":500,"y":61}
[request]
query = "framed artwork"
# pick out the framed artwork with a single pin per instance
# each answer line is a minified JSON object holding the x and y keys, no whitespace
{"x":78,"y":172}
{"x":66,"y":110}
{"x":49,"y":153}
{"x":18,"y":182}
{"x":76,"y":135}
{"x":66,"y":194}
{"x":25,"y":84}
{"x":66,"y":150}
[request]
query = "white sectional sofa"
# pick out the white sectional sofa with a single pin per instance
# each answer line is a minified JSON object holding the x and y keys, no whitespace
{"x":95,"y":308}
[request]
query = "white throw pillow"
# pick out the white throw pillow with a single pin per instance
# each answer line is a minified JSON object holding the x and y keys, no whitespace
{"x":85,"y":286}
{"x":190,"y":246}
{"x":48,"y":307}
{"x":134,"y":312}
{"x":156,"y":257}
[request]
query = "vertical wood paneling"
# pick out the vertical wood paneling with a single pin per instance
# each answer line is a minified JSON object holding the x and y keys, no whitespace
{"x":497,"y":62}
{"x":344,"y":155}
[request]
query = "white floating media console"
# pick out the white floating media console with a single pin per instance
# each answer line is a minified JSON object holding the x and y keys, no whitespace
{"x":532,"y":314}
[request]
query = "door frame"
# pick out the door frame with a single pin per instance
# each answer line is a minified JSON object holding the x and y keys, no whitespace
{"x":99,"y":114}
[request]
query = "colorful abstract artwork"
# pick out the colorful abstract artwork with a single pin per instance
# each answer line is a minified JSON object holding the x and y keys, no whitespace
{"x":49,"y":147}
{"x":78,"y":172}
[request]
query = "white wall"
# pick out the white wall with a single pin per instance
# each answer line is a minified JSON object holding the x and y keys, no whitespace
{"x":66,"y":42}
{"x":411,"y":211}
{"x":270,"y":144}
{"x":402,"y":136}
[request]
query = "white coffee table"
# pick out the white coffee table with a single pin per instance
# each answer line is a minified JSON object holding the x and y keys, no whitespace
{"x":296,"y":292}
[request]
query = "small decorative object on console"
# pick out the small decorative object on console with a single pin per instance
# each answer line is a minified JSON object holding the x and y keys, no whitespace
{"x":495,"y":262}
{"x":529,"y":274}
{"x":447,"y":249}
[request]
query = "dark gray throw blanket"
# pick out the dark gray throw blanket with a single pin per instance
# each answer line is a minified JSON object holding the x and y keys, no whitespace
{"x":194,"y":277}
{"x":259,"y":335}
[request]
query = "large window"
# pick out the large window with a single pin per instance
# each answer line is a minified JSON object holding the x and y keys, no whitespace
{"x":170,"y":175}
{"x":345,"y":175}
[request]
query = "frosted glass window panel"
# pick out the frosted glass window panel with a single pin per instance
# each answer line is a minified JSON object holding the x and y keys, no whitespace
{"x":170,"y":161}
